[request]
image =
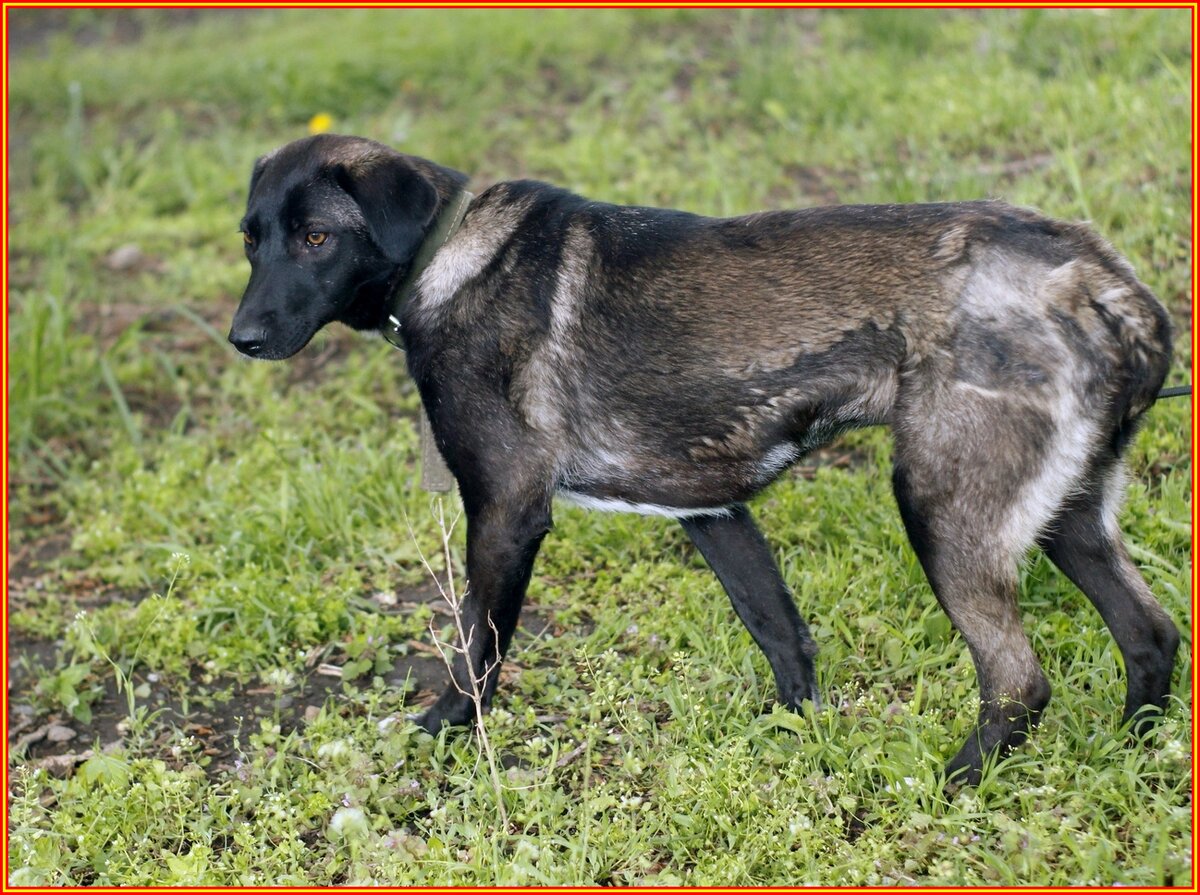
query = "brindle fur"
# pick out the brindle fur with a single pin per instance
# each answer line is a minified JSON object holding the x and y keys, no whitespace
{"x":659,"y":361}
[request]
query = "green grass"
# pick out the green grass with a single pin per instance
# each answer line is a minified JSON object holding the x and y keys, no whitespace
{"x":633,"y":728}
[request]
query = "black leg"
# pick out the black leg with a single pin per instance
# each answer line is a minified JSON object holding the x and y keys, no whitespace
{"x":501,"y":545}
{"x":736,"y":550}
{"x":1085,"y":544}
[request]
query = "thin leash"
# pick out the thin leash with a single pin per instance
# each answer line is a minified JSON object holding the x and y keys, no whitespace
{"x":1178,"y":391}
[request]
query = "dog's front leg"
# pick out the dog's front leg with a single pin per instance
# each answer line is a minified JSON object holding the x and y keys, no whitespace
{"x":502,"y":541}
{"x":736,"y":550}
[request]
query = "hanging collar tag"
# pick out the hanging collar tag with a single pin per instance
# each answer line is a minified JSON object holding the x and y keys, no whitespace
{"x":435,"y":474}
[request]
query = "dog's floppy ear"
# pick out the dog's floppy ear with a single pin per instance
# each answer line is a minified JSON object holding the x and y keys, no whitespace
{"x":397,"y":201}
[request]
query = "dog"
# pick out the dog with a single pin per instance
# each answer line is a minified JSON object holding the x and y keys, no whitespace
{"x":656,"y":361}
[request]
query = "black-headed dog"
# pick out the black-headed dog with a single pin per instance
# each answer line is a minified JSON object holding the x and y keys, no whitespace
{"x":656,"y":361}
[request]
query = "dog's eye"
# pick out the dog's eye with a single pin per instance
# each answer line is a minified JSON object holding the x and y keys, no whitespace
{"x":247,"y":238}
{"x":316,"y":239}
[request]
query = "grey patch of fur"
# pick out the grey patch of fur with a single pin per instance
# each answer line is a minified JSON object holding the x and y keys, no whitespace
{"x":486,"y":226}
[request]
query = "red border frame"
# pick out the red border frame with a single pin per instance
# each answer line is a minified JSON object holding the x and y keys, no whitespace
{"x":4,"y":520}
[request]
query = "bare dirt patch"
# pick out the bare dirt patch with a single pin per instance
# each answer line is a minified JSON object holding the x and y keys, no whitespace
{"x":214,"y":714}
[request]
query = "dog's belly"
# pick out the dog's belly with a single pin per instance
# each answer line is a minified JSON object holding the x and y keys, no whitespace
{"x":616,"y":505}
{"x":676,"y":479}
{"x":643,"y":478}
{"x":670,"y":456}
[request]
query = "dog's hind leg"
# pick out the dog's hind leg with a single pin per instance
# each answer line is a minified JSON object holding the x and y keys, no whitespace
{"x":502,"y":540}
{"x":979,"y":472}
{"x":1085,"y":543}
{"x":736,"y":550}
{"x":977,"y":587}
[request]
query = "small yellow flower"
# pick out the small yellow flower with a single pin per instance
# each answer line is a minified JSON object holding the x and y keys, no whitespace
{"x":320,"y":123}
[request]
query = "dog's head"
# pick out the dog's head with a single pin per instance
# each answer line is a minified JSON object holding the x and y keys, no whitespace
{"x":329,"y":223}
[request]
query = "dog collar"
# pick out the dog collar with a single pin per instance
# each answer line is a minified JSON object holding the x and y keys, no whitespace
{"x":444,"y":227}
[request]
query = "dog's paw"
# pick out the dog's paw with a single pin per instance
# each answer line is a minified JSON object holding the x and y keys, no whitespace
{"x":805,"y":693}
{"x":418,"y":718}
{"x":964,"y":769}
{"x":451,"y":710}
{"x":429,"y":721}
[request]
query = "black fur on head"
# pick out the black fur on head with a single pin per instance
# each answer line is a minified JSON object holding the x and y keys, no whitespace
{"x":331,"y":221}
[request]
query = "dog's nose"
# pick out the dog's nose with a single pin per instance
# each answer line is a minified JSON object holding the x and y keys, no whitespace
{"x":248,"y":341}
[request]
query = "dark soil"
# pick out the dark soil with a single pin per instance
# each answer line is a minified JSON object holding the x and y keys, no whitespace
{"x":217,"y":711}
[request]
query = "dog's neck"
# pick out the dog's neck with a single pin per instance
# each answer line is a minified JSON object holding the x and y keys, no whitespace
{"x":400,"y":291}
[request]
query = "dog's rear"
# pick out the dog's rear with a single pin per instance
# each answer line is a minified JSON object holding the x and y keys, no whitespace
{"x":1010,"y":433}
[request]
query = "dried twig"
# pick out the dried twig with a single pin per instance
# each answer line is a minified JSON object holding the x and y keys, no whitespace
{"x":462,"y":646}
